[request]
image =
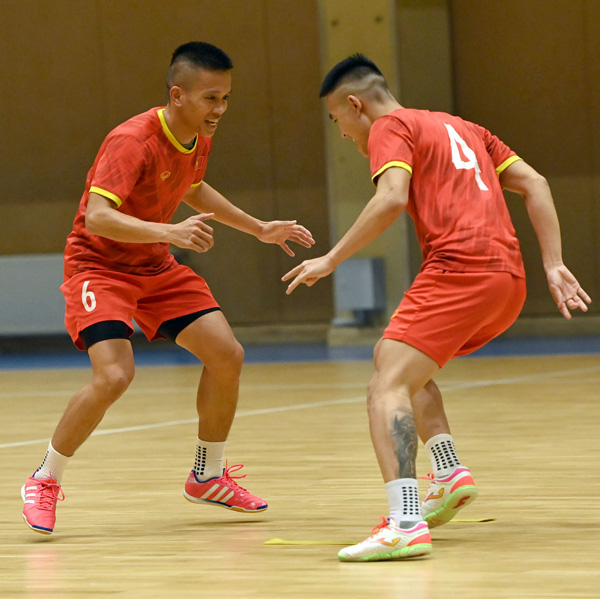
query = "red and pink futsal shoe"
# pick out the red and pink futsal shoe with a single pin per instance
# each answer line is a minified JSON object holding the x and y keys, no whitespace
{"x":223,"y":491}
{"x":40,"y":496}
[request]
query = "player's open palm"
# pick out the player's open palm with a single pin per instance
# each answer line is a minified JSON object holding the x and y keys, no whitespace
{"x":193,"y":233}
{"x":282,"y":231}
{"x":566,"y":291}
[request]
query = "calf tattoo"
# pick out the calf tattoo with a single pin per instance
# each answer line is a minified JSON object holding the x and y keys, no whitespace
{"x":404,"y":435}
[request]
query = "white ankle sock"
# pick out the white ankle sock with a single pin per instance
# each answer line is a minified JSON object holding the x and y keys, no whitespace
{"x":403,"y":497}
{"x":442,"y":455}
{"x":209,"y":459}
{"x":53,"y":466}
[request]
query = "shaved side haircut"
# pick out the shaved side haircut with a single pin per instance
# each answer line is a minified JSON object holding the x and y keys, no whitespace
{"x":199,"y":55}
{"x":354,"y":68}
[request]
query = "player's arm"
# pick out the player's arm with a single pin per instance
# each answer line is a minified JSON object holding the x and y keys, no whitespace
{"x":203,"y":198}
{"x":102,"y":218}
{"x":533,"y":187}
{"x":381,"y":211}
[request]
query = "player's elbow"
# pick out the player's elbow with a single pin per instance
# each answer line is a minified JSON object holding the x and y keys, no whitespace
{"x":395,"y":202}
{"x":538,"y":181}
{"x":90,"y":223}
{"x":521,"y":178}
{"x":535,"y":185}
{"x":389,"y":209}
{"x":94,"y":222}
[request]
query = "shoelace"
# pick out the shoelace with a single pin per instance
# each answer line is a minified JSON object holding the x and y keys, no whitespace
{"x":48,"y":494}
{"x":429,"y":476}
{"x":383,"y":524}
{"x":229,"y":477}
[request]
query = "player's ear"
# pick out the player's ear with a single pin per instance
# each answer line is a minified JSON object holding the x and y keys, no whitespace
{"x":175,"y":94}
{"x":356,"y":103}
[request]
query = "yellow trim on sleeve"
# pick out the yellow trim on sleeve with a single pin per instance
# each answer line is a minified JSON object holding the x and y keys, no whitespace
{"x":172,"y":139}
{"x":106,"y":194}
{"x":196,"y":184}
{"x":403,"y":165}
{"x":507,"y":163}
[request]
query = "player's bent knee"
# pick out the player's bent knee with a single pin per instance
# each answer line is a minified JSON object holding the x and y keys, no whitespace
{"x":374,"y":389}
{"x":235,"y":355}
{"x":239,"y":354}
{"x":228,"y":358}
{"x":382,"y":394}
{"x":372,"y":398}
{"x":114,"y":382}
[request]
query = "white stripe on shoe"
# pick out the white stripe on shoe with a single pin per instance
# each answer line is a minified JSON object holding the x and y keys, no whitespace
{"x":208,"y":493}
{"x":220,"y":494}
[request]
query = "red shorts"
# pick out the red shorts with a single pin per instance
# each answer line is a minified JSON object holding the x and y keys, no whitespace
{"x":99,"y":295}
{"x":447,"y":314}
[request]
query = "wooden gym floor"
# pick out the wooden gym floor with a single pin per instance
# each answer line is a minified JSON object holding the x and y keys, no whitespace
{"x":527,"y":427}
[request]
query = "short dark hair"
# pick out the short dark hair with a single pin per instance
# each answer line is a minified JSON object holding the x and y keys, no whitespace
{"x":203,"y":56}
{"x":356,"y":66}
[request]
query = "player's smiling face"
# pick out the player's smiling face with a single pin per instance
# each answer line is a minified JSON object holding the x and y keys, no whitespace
{"x":204,"y":100}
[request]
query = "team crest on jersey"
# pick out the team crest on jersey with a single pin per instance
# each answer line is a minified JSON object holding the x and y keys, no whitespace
{"x":199,"y":163}
{"x":165,"y":175}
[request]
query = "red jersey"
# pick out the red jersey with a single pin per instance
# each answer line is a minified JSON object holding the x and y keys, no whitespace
{"x":146,"y":172}
{"x":455,"y":197}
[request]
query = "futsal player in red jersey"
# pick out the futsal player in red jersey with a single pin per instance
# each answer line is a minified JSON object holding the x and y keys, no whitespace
{"x":118,"y":268}
{"x":448,"y":174}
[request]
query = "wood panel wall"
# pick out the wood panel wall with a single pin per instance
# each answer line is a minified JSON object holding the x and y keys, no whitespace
{"x":528,"y":71}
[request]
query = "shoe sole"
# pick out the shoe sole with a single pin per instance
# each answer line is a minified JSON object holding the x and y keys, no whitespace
{"x":461,"y":498}
{"x":398,"y":554}
{"x":219,"y":504}
{"x":42,"y":531}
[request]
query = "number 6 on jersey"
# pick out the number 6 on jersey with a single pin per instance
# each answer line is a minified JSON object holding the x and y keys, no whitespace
{"x":88,"y":298}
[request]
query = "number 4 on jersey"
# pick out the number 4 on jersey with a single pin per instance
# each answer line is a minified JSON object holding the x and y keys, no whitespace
{"x":471,"y":162}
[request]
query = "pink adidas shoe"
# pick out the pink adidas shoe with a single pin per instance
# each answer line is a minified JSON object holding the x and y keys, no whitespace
{"x":40,"y":496}
{"x":223,"y":491}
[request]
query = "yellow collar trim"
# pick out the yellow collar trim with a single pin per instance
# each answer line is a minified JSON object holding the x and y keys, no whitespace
{"x":172,"y":138}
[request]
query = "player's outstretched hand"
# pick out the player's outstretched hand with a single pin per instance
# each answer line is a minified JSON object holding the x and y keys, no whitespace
{"x":193,"y":233}
{"x":566,"y":291}
{"x":281,"y":231}
{"x":308,"y":272}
